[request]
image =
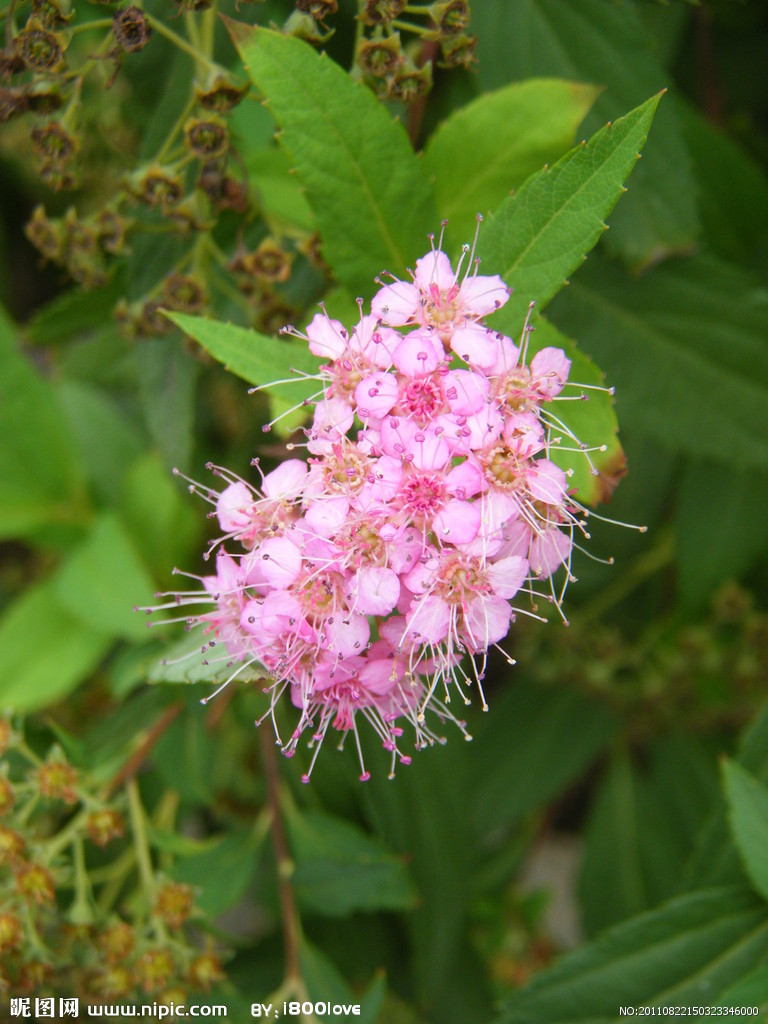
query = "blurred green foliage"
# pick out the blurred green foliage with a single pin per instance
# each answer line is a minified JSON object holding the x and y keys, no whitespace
{"x":608,"y":733}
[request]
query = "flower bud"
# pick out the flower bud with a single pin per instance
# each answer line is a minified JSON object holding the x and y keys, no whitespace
{"x":35,"y":884}
{"x":114,"y":982}
{"x":224,"y":192}
{"x":380,"y":56}
{"x":40,"y":49}
{"x":131,"y":29}
{"x":205,"y":971}
{"x":381,"y":12}
{"x":174,"y":903}
{"x":104,"y":826}
{"x":206,"y":138}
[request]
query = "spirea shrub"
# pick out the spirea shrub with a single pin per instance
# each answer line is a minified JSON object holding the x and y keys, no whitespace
{"x":371,"y":579}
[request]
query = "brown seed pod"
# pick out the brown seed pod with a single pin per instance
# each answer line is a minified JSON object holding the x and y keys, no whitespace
{"x":207,"y":137}
{"x":112,"y":231}
{"x":154,"y":969}
{"x":54,"y":144}
{"x":411,"y":84}
{"x":380,"y":57}
{"x":117,"y":942}
{"x":13,"y":102}
{"x":104,"y":826}
{"x":152,"y":322}
{"x":458,"y":52}
{"x":53,"y":13}
{"x":10,"y":62}
{"x":11,"y":933}
{"x":56,"y":779}
{"x":131,"y":29}
{"x":157,"y":187}
{"x":58,"y":178}
{"x":381,"y":12}
{"x":44,"y":97}
{"x":174,"y":903}
{"x":40,"y":49}
{"x":205,"y":971}
{"x":35,"y":883}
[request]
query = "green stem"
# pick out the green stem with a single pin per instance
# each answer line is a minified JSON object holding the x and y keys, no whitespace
{"x":87,"y":26}
{"x":140,"y":841}
{"x":181,"y":43}
{"x":65,"y":837}
{"x":647,"y":565}
{"x":162,"y":153}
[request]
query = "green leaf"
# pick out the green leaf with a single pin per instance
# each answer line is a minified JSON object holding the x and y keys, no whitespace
{"x":689,"y":952}
{"x":104,"y":579}
{"x":192,"y":660}
{"x":748,"y":808}
{"x":73,"y":313}
{"x":340,"y":869}
{"x":45,"y":651}
{"x":108,"y":443}
{"x":167,"y":387}
{"x":607,"y":45}
{"x":489,"y":146}
{"x":255,"y":357}
{"x":685,"y":347}
{"x":592,"y":421}
{"x":281,"y":197}
{"x":750,"y":991}
{"x":325,"y":984}
{"x":735,"y":500}
{"x":222,"y":873}
{"x":40,"y":474}
{"x":540,"y":235}
{"x":368,"y":190}
{"x":537,"y":741}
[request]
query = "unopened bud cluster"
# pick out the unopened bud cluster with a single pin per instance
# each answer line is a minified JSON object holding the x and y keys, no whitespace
{"x":428,"y":515}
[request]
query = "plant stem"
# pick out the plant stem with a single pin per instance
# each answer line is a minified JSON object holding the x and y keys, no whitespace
{"x":288,"y":910}
{"x":140,"y":843}
{"x":180,"y":43}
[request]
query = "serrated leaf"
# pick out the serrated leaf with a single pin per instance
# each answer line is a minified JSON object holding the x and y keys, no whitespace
{"x":167,"y":387}
{"x":45,"y":652}
{"x":687,"y":953}
{"x":104,"y":579}
{"x":40,"y":474}
{"x":748,"y":810}
{"x":255,"y":357}
{"x":540,"y":235}
{"x":490,"y":146}
{"x":366,"y":187}
{"x":340,"y":869}
{"x":185,"y":662}
{"x":605,"y":44}
{"x":592,"y":420}
{"x":685,"y":347}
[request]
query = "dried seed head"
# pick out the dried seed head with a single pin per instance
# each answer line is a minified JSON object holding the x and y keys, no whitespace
{"x":35,"y":884}
{"x":53,"y":13}
{"x":157,"y":187}
{"x":56,"y":779}
{"x":131,"y":29}
{"x":44,"y":97}
{"x":40,"y":49}
{"x":11,"y":846}
{"x":114,"y":983}
{"x":458,"y":52}
{"x":11,"y":933}
{"x":104,"y":826}
{"x":10,"y":62}
{"x":205,"y":971}
{"x":46,"y":236}
{"x":221,"y":96}
{"x":13,"y":102}
{"x":112,"y":230}
{"x":152,"y":322}
{"x":174,"y":904}
{"x":184,"y":293}
{"x":54,"y":144}
{"x":32,"y":975}
{"x":304,"y":26}
{"x":269,"y":262}
{"x":58,"y":178}
{"x":154,"y":969}
{"x":380,"y":56}
{"x":451,"y":16}
{"x":411,"y":84}
{"x":117,"y":942}
{"x":206,"y":138}
{"x":7,"y":797}
{"x":319,"y":9}
{"x":381,"y":12}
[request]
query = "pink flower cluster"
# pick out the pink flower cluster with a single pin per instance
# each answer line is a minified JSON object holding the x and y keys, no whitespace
{"x":427,"y":505}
